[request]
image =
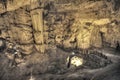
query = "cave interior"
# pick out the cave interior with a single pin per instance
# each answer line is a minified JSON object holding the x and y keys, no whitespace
{"x":59,"y":39}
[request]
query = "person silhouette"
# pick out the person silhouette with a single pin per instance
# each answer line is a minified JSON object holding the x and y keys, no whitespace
{"x":69,"y":59}
{"x":117,"y":46}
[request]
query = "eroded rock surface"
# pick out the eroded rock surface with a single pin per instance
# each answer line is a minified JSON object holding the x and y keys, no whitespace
{"x":47,"y":26}
{"x":75,"y":26}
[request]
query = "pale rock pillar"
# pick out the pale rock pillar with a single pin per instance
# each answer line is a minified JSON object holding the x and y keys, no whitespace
{"x":96,"y":39}
{"x":38,"y":28}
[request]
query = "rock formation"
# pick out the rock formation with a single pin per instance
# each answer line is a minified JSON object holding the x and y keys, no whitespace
{"x":37,"y":38}
{"x":35,"y":24}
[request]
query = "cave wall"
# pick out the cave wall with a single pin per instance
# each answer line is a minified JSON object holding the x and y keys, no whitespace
{"x":93,"y":25}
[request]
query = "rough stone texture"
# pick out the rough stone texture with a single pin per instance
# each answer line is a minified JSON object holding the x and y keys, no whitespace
{"x":68,"y":29}
{"x":57,"y":28}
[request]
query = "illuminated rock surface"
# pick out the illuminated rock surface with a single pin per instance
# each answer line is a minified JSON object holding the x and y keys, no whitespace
{"x":46,"y":32}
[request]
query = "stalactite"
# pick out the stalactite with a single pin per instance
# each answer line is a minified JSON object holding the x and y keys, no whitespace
{"x":37,"y":20}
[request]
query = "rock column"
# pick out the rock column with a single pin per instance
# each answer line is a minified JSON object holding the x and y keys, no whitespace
{"x":38,"y":30}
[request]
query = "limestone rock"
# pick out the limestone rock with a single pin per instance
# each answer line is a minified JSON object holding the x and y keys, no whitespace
{"x":69,"y":25}
{"x":20,"y":35}
{"x":26,"y":49}
{"x":22,"y":17}
{"x":38,"y":38}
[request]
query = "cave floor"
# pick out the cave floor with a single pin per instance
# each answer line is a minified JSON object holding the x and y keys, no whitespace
{"x":52,"y":66}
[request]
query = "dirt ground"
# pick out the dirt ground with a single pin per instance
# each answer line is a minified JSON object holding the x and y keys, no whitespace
{"x":52,"y":66}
